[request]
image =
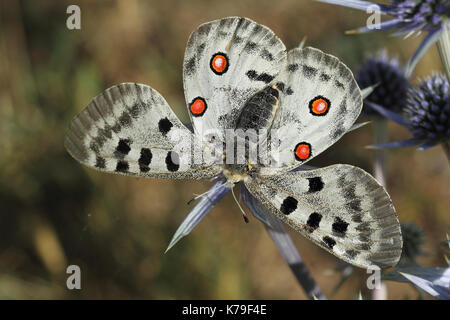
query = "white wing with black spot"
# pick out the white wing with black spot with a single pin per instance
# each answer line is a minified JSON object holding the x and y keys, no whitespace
{"x":130,"y":129}
{"x":226,"y":62}
{"x":319,"y":102}
{"x":341,"y":208}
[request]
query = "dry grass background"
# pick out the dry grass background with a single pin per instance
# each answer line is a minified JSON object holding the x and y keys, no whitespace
{"x":54,"y":212}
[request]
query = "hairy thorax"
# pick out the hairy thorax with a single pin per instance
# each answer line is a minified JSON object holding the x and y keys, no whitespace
{"x":256,"y":116}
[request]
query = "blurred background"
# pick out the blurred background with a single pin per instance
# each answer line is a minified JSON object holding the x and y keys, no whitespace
{"x":54,"y":212}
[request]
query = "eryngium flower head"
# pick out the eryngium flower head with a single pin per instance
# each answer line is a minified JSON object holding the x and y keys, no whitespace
{"x":421,"y":14}
{"x":413,"y":239}
{"x":428,"y":109}
{"x":392,"y":88}
{"x":408,"y":17}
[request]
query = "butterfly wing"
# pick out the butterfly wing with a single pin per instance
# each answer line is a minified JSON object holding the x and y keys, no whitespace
{"x":130,"y":129}
{"x":319,"y":102}
{"x":226,"y":62}
{"x":341,"y":208}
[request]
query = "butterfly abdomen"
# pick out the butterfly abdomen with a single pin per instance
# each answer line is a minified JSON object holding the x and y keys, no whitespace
{"x":259,"y":111}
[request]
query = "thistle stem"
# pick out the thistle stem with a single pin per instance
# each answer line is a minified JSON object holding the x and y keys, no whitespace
{"x":290,"y":254}
{"x":379,"y":168}
{"x":446,"y":147}
{"x":380,"y":136}
{"x":443,"y":45}
{"x":284,"y":244}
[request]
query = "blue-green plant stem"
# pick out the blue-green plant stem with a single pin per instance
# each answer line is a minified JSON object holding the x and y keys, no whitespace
{"x":290,"y":254}
{"x":443,"y":45}
{"x":446,"y":147}
{"x":285,"y":245}
{"x":379,"y":170}
{"x":380,"y":136}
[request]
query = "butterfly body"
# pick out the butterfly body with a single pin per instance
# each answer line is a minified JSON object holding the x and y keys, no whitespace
{"x":258,"y":114}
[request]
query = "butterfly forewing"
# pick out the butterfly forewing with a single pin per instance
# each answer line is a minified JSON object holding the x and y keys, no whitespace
{"x":226,"y":62}
{"x":341,"y":208}
{"x":129,"y":129}
{"x":319,"y":102}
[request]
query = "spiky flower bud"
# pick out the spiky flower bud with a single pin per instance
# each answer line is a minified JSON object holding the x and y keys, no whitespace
{"x":428,"y":109}
{"x":413,"y":239}
{"x":422,"y":14}
{"x":392,"y":86}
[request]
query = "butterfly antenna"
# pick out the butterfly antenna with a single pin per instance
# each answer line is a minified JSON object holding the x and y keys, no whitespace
{"x":239,"y":205}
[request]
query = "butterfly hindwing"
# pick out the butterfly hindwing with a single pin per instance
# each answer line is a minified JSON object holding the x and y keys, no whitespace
{"x":319,"y":102}
{"x":226,"y":62}
{"x":130,"y":129}
{"x":341,"y":208}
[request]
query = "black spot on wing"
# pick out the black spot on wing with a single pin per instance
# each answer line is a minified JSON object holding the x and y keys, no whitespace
{"x":339,"y":226}
{"x":351,"y":254}
{"x":123,"y":146}
{"x":250,"y":47}
{"x":257,"y":28}
{"x":222,"y":34}
{"x":355,"y":205}
{"x":343,"y":106}
{"x":338,"y":131}
{"x":97,"y":143}
{"x":308,"y":71}
{"x":116,"y":127}
{"x":125,"y":119}
{"x":349,"y":192}
{"x":289,"y":91}
{"x":293,"y":67}
{"x":122,"y":166}
{"x":313,"y":221}
{"x":329,"y":241}
{"x":200,"y":49}
{"x":164,"y":126}
{"x":266,"y":55}
{"x":264,"y":77}
{"x":172,"y":161}
{"x":315,"y":184}
{"x":100,"y":162}
{"x":251,"y":74}
{"x":204,"y":29}
{"x":339,"y":84}
{"x":236,"y":39}
{"x":324,"y":77}
{"x":288,"y":206}
{"x":145,"y":159}
{"x":105,"y":132}
{"x":189,"y":67}
{"x":280,"y":86}
{"x":135,"y":110}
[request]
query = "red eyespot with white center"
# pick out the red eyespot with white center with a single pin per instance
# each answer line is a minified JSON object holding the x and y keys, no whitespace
{"x":198,"y":107}
{"x":319,"y":106}
{"x":219,"y":63}
{"x":302,"y":151}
